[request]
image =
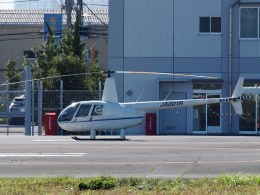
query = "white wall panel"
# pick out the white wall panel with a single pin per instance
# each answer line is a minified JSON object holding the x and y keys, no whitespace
{"x":138,"y":84}
{"x":148,"y":28}
{"x":249,"y":48}
{"x":116,"y":28}
{"x":188,"y":41}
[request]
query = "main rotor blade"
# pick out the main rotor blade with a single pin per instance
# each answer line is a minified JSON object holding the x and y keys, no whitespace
{"x":165,"y":73}
{"x":52,"y":77}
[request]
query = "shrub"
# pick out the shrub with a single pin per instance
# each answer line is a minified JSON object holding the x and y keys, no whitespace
{"x":98,"y":183}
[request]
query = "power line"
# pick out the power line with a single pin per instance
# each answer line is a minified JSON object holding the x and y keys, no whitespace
{"x":29,"y":33}
{"x":7,"y":81}
{"x":96,"y":4}
{"x":18,"y":1}
{"x":33,"y":35}
{"x":94,"y":14}
{"x":101,"y":36}
{"x":93,"y":33}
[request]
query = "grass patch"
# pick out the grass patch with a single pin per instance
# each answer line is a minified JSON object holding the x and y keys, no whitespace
{"x":226,"y":184}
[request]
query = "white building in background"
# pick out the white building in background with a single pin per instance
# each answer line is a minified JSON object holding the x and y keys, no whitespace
{"x":22,"y":30}
{"x":203,"y":37}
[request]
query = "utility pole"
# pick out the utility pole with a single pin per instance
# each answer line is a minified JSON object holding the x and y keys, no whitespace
{"x":68,"y":8}
{"x":80,"y":7}
{"x":28,"y":100}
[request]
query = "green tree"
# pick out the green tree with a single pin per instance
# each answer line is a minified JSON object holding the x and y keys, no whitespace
{"x":78,"y":45}
{"x":47,"y":52}
{"x":71,"y":43}
{"x":66,"y":43}
{"x":45,"y":58}
{"x":96,"y":76}
{"x":71,"y":59}
{"x":70,"y":64}
{"x":67,"y":58}
{"x":12,"y":74}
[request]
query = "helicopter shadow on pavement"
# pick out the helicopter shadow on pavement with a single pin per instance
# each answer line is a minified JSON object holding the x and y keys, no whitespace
{"x":101,"y":139}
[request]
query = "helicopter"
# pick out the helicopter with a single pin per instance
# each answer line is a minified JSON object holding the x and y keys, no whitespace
{"x":109,"y":114}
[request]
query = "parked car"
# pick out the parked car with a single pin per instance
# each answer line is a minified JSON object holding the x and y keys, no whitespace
{"x":17,"y":105}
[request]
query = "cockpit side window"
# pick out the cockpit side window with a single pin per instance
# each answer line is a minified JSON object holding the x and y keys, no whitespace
{"x":68,"y":113}
{"x":83,"y":110}
{"x":97,"y":110}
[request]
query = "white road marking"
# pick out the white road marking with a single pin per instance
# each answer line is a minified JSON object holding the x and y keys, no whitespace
{"x":42,"y":154}
{"x":131,"y":163}
{"x":49,"y":140}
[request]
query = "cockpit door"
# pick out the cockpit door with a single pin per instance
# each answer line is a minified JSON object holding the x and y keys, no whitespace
{"x":83,"y":113}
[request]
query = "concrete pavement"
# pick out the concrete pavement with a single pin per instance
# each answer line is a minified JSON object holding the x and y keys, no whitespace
{"x":139,"y":156}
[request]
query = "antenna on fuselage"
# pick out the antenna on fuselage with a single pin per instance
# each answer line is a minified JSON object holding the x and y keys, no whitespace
{"x":139,"y":97}
{"x":168,"y":95}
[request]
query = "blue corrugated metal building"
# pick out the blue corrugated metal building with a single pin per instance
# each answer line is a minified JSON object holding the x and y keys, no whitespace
{"x":203,"y":37}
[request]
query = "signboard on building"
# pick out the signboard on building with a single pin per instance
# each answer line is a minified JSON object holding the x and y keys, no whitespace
{"x":54,"y":21}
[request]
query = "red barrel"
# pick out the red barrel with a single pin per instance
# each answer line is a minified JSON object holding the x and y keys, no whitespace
{"x":50,"y":122}
{"x":150,"y":123}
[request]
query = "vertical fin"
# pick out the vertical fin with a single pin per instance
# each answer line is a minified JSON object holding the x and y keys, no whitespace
{"x":236,"y":103}
{"x":239,"y":88}
{"x":110,"y":93}
{"x":238,"y":107}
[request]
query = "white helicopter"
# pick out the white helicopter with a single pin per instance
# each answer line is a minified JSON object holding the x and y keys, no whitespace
{"x":109,"y":114}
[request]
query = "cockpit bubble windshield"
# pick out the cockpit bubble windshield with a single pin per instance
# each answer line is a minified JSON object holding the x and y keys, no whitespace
{"x":68,"y":113}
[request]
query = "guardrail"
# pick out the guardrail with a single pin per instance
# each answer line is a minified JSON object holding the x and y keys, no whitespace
{"x":10,"y":129}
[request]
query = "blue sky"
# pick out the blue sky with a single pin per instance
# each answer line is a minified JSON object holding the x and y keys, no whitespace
{"x":8,"y":4}
{"x":5,"y":5}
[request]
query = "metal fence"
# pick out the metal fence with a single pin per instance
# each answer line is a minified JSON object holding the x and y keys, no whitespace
{"x":52,"y":101}
{"x":57,"y":100}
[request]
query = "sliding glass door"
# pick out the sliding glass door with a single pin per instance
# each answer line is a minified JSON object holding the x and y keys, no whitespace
{"x":206,"y":118}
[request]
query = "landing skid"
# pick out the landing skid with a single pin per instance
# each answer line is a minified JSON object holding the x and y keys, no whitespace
{"x":79,"y":139}
{"x":93,"y":136}
{"x":103,"y":139}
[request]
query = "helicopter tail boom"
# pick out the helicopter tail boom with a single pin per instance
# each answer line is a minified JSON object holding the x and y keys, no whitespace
{"x":236,"y":99}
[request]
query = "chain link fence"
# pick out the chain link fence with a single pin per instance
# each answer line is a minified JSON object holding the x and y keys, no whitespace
{"x":52,"y":101}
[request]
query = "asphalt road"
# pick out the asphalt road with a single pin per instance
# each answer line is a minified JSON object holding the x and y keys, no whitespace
{"x":140,"y":156}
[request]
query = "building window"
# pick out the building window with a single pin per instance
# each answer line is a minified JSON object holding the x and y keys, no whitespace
{"x":91,"y":56}
{"x":210,"y":24}
{"x":249,"y":23}
{"x":29,"y":54}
